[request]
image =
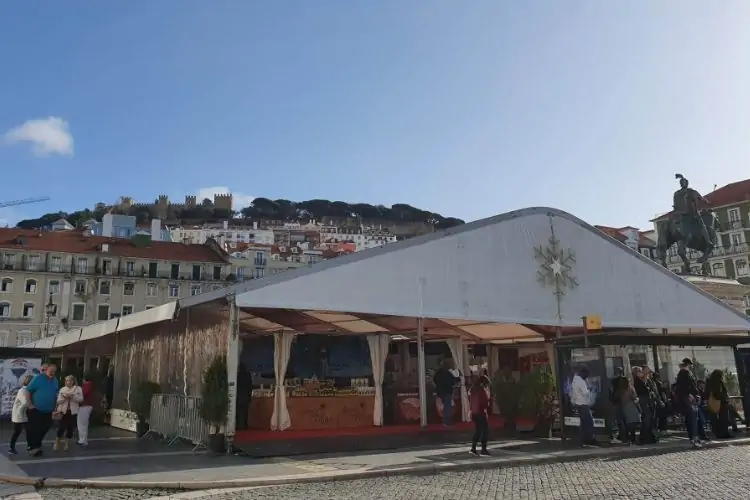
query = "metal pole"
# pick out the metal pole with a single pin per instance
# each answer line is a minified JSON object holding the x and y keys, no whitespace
{"x":560,"y":381}
{"x":585,"y":333}
{"x":421,"y":374}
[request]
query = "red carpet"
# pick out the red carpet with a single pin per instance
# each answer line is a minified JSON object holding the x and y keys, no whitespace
{"x":259,"y":435}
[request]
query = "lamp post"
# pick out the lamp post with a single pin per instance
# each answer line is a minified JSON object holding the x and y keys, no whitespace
{"x":49,"y":310}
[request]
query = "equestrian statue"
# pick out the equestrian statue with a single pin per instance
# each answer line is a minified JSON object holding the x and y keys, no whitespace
{"x":692,"y":224}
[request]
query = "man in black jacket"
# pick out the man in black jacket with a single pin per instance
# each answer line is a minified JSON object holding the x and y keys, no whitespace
{"x":687,"y":398}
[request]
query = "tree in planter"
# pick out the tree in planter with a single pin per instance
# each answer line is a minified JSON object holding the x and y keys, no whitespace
{"x":215,"y":401}
{"x":505,"y":395}
{"x":536,"y":399}
{"x":140,"y":404}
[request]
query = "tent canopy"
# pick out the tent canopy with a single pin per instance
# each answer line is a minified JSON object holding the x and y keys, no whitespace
{"x":516,"y":277}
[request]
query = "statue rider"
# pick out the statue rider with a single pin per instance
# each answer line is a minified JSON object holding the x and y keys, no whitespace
{"x":686,"y":208}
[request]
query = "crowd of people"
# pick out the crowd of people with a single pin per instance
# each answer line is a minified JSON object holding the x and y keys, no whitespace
{"x":643,"y":405}
{"x":41,"y":403}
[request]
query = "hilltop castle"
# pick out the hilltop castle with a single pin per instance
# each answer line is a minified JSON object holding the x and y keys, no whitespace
{"x":162,"y":208}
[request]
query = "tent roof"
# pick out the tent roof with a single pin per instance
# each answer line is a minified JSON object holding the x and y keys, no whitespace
{"x":512,"y":277}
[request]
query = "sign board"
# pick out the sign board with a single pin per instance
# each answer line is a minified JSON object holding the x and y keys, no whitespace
{"x":593,"y":323}
{"x":12,"y":373}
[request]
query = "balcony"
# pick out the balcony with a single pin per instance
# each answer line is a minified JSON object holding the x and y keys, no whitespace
{"x":260,"y":261}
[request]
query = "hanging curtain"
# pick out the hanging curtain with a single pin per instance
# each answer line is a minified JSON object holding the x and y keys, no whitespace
{"x":282,"y":349}
{"x":378,"y":344}
{"x":456,"y":345}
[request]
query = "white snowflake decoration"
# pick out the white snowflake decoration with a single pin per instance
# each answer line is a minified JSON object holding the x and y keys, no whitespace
{"x":555,"y":266}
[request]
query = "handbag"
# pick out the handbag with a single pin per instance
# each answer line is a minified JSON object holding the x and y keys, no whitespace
{"x":713,"y":404}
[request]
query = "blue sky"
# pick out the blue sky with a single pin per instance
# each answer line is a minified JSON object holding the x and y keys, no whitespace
{"x":468,"y":109}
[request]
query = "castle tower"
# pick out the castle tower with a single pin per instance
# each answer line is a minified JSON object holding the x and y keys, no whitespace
{"x":126,"y":202}
{"x":162,"y":206}
{"x":223,"y":201}
{"x":190,"y":201}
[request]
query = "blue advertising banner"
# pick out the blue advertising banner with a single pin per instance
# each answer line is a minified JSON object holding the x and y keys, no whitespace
{"x":12,"y":372}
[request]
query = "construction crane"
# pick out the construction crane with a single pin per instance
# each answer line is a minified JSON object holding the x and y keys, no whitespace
{"x":26,"y":201}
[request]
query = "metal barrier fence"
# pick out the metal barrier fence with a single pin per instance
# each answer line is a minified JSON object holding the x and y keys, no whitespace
{"x":175,"y":417}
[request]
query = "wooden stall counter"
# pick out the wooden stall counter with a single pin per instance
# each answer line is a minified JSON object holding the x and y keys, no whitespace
{"x":316,"y":412}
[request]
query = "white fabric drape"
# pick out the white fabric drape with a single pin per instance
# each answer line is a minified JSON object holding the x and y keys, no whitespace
{"x":282,"y":349}
{"x":378,"y":345}
{"x":457,"y":347}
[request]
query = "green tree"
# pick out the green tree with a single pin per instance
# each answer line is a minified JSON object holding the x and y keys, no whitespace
{"x":731,"y":382}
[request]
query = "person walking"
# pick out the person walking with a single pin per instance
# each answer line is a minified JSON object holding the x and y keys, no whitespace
{"x":18,"y":414}
{"x":480,"y":400}
{"x":66,"y":411}
{"x":43,"y":390}
{"x":618,"y":389}
{"x":686,"y":391}
{"x":717,"y":403}
{"x":580,"y":398}
{"x":445,"y":379}
{"x":84,"y":411}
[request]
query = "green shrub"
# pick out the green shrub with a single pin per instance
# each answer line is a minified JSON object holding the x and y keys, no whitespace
{"x":215,"y":393}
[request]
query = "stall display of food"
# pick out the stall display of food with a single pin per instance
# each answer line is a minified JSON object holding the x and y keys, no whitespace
{"x":316,"y":404}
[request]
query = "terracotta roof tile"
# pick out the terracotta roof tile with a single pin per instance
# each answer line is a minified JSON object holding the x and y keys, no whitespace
{"x":75,"y":242}
{"x":612,"y":232}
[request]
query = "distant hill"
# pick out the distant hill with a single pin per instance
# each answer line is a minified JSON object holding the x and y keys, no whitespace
{"x":264,"y":209}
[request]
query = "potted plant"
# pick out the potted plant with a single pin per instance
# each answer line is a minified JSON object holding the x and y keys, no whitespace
{"x":215,"y":401}
{"x":537,"y":400}
{"x":140,"y":403}
{"x":505,"y":395}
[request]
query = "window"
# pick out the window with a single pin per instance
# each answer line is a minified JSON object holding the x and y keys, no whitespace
{"x":104,"y":287}
{"x":6,"y":285}
{"x":746,"y":300}
{"x":174,"y":290}
{"x":107,"y":267}
{"x":152,"y":268}
{"x":54,"y":287}
{"x":217,"y":272}
{"x":10,"y":261}
{"x":195,"y":290}
{"x":735,"y":239}
{"x":718,"y":270}
{"x":740,"y":267}
{"x":28,"y":310}
{"x":126,"y":310}
{"x":33,"y":262}
{"x":55,"y":264}
{"x":174,"y":271}
{"x":128,"y":288}
{"x":734,"y":215}
{"x":259,"y":272}
{"x":240,"y":273}
{"x":130,"y":268}
{"x":79,"y":312}
{"x":80,"y":288}
{"x":151,"y":290}
{"x":24,"y":337}
{"x":30,"y":286}
{"x":102,"y":312}
{"x":82,"y":265}
{"x":4,"y":334}
{"x":196,"y":273}
{"x":4,"y":310}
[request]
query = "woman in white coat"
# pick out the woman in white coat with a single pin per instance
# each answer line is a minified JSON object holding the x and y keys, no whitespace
{"x":68,"y":400}
{"x":18,"y":414}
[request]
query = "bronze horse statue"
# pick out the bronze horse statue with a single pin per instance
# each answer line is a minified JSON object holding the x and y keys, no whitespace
{"x":672,"y":230}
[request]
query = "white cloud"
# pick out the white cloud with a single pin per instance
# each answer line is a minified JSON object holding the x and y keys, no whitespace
{"x":47,"y":136}
{"x":239,"y":200}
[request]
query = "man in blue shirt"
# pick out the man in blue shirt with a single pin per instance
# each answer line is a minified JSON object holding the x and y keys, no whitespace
{"x":43,"y":390}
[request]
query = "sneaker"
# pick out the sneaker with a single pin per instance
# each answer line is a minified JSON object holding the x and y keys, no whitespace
{"x":485,"y":453}
{"x":12,"y":451}
{"x":473,"y":452}
{"x":697,"y":444}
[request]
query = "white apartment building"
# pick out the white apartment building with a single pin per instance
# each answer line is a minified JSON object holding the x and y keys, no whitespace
{"x":53,"y":281}
{"x":223,"y":233}
{"x":363,"y":237}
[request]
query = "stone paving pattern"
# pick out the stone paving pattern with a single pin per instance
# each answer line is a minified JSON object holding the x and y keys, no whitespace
{"x":718,"y":474}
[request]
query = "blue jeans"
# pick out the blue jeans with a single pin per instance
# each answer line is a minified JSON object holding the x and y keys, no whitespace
{"x":694,"y":422}
{"x":587,"y":424}
{"x":447,"y":400}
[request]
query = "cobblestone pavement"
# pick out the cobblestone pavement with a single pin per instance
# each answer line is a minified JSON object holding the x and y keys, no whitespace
{"x":719,"y":474}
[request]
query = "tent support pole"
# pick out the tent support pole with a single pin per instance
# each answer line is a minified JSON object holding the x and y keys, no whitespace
{"x":422,"y":374}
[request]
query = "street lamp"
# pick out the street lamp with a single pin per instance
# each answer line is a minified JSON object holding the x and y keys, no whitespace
{"x":49,"y":310}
